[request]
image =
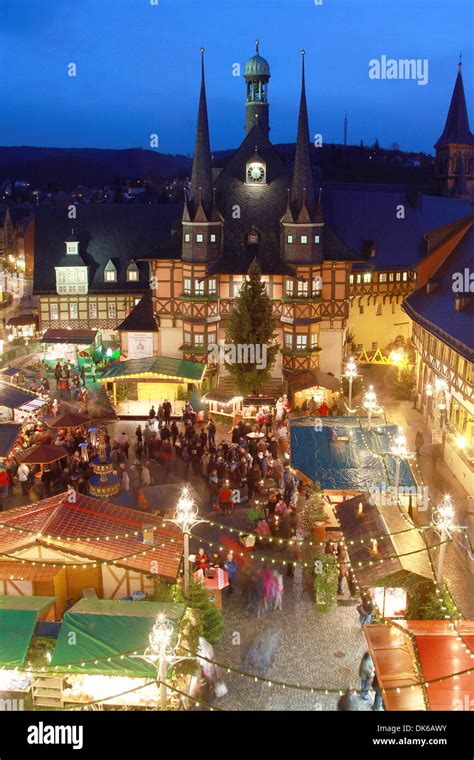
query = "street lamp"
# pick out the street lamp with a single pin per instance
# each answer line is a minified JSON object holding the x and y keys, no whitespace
{"x":186,"y":518}
{"x":350,"y":373}
{"x":370,"y":404}
{"x":161,"y":652}
{"x":400,"y":453}
{"x":444,"y":520}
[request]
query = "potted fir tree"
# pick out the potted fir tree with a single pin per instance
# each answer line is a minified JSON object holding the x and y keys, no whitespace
{"x":313,"y":515}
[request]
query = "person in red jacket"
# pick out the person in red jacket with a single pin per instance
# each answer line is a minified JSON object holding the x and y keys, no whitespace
{"x":323,"y":410}
{"x":202,"y":560}
{"x":225,"y":496}
{"x":4,"y":484}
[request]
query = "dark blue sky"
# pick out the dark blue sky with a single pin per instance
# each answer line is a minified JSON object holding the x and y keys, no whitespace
{"x":138,"y":69}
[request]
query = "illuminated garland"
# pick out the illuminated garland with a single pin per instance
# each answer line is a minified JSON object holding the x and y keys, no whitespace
{"x":93,"y":563}
{"x":276,"y":560}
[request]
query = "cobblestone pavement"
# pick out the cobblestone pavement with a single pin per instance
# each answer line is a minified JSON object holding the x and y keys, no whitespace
{"x":314,"y":649}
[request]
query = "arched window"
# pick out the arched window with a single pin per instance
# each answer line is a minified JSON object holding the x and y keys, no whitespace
{"x":253,"y":237}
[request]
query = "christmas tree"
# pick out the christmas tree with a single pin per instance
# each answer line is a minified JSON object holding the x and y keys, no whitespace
{"x":251,"y":325}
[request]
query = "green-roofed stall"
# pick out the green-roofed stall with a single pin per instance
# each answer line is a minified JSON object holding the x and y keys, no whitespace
{"x":18,"y":617}
{"x":96,"y":634}
{"x":137,"y":384}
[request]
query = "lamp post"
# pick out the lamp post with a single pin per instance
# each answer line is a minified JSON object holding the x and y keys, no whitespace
{"x":161,"y":652}
{"x":370,"y":404}
{"x":444,"y":520}
{"x":186,"y":518}
{"x":400,"y":453}
{"x":350,"y":373}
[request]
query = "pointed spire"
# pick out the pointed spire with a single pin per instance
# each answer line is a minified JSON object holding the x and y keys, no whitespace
{"x":456,"y":130}
{"x":287,"y":217}
{"x":302,"y":191}
{"x":461,"y":189}
{"x":201,"y":177}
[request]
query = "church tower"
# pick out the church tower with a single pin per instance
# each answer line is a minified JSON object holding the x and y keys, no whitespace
{"x":454,"y":165}
{"x":257,"y":74}
{"x":202,"y":222}
{"x":302,"y":224}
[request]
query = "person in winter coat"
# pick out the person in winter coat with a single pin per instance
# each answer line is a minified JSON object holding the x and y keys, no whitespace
{"x":365,"y":610}
{"x":344,"y":562}
{"x":419,"y":442}
{"x":230,"y":566}
{"x":202,"y":560}
{"x":4,"y":484}
{"x":211,"y":433}
{"x":366,"y":674}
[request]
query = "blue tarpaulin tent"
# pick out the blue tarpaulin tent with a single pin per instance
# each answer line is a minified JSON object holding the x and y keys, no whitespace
{"x":343,"y":455}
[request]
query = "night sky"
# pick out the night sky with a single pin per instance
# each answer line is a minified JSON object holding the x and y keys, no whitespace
{"x":138,"y":69}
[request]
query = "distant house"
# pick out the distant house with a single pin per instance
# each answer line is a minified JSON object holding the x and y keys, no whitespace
{"x":88,"y":273}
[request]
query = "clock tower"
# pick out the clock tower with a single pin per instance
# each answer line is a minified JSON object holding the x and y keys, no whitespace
{"x":257,"y":74}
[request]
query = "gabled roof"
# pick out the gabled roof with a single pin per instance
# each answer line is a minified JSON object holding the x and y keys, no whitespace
{"x":106,"y":232}
{"x":154,"y":366}
{"x":436,"y":310}
{"x":261,"y":206}
{"x":142,"y":317}
{"x":56,"y":523}
{"x":456,"y":130}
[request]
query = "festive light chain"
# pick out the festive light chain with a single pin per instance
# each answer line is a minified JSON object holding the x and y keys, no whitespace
{"x":276,"y":560}
{"x":213,"y":523}
{"x":198,"y":703}
{"x":304,"y":542}
{"x":57,"y":670}
{"x":93,"y":563}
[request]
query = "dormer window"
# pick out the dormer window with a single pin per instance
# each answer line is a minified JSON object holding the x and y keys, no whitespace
{"x":72,"y":248}
{"x":133,"y":274}
{"x":252,"y":237}
{"x":110,"y":272}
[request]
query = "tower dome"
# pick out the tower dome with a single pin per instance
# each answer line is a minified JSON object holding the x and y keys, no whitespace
{"x":257,"y":66}
{"x":257,"y":74}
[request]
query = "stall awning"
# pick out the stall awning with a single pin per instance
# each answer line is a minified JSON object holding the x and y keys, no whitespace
{"x":399,"y":648}
{"x":105,"y":629}
{"x":75,"y":337}
{"x":313,"y":379}
{"x":9,"y":371}
{"x":18,"y":616}
{"x":221,"y":398}
{"x":23,"y":319}
{"x":154,"y":367}
{"x":16,"y":398}
{"x":259,"y":401}
{"x":9,"y":432}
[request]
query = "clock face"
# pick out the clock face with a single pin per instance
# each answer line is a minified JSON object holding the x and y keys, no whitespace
{"x":256,"y":173}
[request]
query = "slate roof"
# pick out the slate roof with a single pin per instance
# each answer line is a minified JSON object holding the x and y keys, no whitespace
{"x":436,"y":310}
{"x":359,"y":215}
{"x":142,"y":316}
{"x":456,"y":130}
{"x":201,"y":177}
{"x":115,"y":232}
{"x":261,"y":206}
{"x":63,"y":335}
{"x":60,"y":523}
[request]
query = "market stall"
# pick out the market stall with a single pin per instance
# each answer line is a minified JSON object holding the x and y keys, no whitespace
{"x":76,"y":346}
{"x":98,"y":666}
{"x":112,"y":549}
{"x":313,"y":384}
{"x":136,"y":384}
{"x":9,"y":436}
{"x":409,"y":654}
{"x":214,"y":581}
{"x":390,"y":559}
{"x":18,"y":617}
{"x":23,"y":325}
{"x":18,"y":404}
